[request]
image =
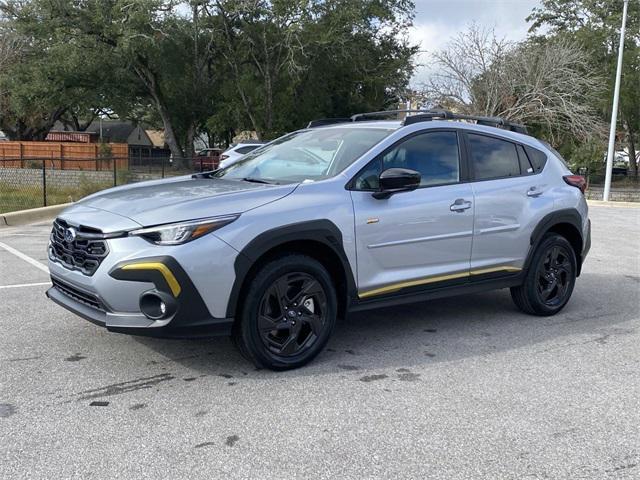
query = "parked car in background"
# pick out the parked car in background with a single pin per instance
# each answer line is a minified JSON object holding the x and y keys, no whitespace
{"x":235,"y":152}
{"x":207,"y":159}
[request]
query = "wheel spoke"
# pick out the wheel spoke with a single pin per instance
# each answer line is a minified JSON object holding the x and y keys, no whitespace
{"x":546,"y":292}
{"x":308,"y":289}
{"x":290,"y":346}
{"x":266,"y":324}
{"x":315,"y":323}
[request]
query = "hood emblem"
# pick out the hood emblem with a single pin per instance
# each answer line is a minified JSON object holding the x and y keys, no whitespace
{"x":70,"y":235}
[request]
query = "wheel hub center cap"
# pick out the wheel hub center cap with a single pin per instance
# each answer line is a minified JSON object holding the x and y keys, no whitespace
{"x":291,"y":313}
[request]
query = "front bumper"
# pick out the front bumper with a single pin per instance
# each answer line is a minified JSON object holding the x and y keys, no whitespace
{"x":190,"y":318}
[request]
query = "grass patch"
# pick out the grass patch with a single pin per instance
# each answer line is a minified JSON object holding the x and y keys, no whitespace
{"x":21,"y":197}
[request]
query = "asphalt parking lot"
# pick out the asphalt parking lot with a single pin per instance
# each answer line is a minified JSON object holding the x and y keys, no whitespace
{"x":455,"y":388}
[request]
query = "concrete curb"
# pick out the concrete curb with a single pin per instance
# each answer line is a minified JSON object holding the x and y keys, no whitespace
{"x":600,"y":203}
{"x":24,"y":217}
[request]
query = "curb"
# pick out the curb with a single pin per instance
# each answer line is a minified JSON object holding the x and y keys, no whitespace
{"x":24,"y":217}
{"x":601,"y":203}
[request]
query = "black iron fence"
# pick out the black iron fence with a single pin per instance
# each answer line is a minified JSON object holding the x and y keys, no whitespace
{"x":37,"y":182}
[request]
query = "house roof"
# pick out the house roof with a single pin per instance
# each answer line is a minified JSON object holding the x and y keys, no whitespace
{"x":116,"y":131}
{"x":157,"y":137}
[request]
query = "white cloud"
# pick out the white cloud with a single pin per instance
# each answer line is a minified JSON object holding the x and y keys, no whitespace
{"x":437,"y":21}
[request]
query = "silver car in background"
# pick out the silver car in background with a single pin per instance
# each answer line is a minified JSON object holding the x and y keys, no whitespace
{"x":235,"y":152}
{"x":342,"y":216}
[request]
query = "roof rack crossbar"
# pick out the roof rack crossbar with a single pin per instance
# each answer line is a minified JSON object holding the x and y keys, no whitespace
{"x":327,"y":121}
{"x":425,"y":116}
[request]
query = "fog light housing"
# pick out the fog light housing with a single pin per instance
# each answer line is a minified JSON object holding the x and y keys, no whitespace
{"x":157,"y":305}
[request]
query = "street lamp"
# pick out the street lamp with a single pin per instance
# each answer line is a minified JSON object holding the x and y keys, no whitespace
{"x":614,"y":113}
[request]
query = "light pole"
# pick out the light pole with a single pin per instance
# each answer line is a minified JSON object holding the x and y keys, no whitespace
{"x":614,"y":113}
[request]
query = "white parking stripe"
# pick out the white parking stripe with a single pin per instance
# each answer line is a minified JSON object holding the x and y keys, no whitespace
{"x":25,"y":285}
{"x":24,"y":257}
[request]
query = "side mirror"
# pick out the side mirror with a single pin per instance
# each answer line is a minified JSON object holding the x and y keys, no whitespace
{"x":396,"y":180}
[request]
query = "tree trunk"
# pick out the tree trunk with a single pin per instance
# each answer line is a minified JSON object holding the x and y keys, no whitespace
{"x":189,"y":148}
{"x":149,"y":79}
{"x":633,"y":163}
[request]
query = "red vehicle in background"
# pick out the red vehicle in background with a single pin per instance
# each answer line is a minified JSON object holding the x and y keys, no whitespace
{"x":207,"y":159}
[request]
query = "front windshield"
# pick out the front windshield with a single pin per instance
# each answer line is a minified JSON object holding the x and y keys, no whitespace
{"x":307,"y":155}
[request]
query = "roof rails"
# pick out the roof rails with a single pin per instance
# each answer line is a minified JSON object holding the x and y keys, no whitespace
{"x":425,"y":116}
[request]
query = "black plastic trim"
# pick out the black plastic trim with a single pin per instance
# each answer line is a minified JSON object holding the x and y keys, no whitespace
{"x":468,"y":285}
{"x":323,"y":231}
{"x":566,"y":215}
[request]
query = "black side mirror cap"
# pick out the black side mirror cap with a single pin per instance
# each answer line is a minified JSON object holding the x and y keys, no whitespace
{"x":396,"y":180}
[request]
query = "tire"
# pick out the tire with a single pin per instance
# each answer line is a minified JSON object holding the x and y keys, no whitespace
{"x":288,"y":313}
{"x":550,"y":278}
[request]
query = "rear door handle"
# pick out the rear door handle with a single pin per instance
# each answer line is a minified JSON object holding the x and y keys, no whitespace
{"x":534,"y":192}
{"x":460,"y":205}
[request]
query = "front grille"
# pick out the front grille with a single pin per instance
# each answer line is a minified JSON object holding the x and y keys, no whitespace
{"x":78,"y":295}
{"x":82,"y":253}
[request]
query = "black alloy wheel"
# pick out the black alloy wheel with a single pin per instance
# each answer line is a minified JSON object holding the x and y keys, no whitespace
{"x":287,"y":313}
{"x":555,"y":274}
{"x":292,"y":314}
{"x":550,"y":278}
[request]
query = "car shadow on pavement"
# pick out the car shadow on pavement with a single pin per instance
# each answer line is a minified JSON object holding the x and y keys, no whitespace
{"x":445,"y":330}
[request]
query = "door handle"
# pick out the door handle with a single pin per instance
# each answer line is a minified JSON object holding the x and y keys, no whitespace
{"x":534,"y":192}
{"x":460,"y":205}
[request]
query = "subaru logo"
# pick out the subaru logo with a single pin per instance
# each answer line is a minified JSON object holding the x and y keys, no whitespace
{"x":70,"y":235}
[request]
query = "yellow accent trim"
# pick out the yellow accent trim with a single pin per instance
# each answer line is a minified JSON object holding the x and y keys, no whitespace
{"x":163,"y":269}
{"x":424,"y":281}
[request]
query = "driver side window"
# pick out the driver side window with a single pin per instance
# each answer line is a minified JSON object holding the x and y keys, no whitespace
{"x":434,"y":154}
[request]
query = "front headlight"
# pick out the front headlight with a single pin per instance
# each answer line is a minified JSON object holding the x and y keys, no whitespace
{"x":182,"y":232}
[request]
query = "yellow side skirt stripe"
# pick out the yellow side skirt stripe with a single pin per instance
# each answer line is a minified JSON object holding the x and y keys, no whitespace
{"x":163,"y":269}
{"x":440,"y":278}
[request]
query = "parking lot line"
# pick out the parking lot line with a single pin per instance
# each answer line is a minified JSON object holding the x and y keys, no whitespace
{"x":25,"y":285}
{"x":24,"y":257}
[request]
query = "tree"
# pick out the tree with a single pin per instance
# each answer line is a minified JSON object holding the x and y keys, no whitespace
{"x":595,"y":25}
{"x":546,"y":85}
{"x":298,"y":59}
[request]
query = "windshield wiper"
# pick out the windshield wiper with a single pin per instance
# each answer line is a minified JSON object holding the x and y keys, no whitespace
{"x":256,"y":180}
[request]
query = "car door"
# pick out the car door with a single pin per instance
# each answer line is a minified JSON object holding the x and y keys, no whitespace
{"x":418,"y":238}
{"x":509,"y":197}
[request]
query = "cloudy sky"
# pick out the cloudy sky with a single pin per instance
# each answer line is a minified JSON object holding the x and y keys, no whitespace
{"x":436,"y":21}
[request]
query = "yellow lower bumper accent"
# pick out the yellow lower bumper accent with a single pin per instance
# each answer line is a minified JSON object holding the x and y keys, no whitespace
{"x":439,"y":278}
{"x":163,"y":269}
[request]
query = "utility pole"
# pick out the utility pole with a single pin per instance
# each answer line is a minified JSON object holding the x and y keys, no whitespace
{"x":614,"y":112}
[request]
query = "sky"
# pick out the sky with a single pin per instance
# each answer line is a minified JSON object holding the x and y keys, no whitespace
{"x":437,"y":21}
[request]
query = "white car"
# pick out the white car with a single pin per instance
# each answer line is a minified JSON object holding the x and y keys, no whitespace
{"x":235,"y":152}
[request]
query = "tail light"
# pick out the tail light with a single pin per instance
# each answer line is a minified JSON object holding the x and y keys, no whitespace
{"x":577,"y":181}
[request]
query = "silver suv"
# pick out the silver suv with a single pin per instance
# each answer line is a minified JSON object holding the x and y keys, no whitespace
{"x":343,"y":216}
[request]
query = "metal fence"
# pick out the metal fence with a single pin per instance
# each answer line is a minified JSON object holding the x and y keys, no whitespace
{"x":37,"y":182}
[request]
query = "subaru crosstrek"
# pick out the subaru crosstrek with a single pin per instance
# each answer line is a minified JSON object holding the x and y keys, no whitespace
{"x":342,"y":216}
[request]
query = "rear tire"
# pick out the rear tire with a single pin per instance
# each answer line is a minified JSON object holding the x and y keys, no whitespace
{"x":550,"y":279}
{"x":288,"y":313}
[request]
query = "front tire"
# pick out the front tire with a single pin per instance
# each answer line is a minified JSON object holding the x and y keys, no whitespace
{"x":288,"y":314}
{"x":550,"y":279}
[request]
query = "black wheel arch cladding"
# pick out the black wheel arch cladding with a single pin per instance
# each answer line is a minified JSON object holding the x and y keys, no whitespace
{"x":566,"y":222}
{"x":324,"y":232}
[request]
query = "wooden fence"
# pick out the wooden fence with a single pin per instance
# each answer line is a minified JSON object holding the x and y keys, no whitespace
{"x":65,"y":155}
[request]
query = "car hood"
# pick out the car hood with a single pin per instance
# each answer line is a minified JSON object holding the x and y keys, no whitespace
{"x":183,"y":198}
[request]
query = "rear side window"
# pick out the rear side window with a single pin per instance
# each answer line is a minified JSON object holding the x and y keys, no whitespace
{"x":525,"y":165}
{"x":247,"y":149}
{"x":493,"y":158}
{"x":537,"y":158}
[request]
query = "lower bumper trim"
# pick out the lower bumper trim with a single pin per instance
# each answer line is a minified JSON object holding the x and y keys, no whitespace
{"x":141,"y":325}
